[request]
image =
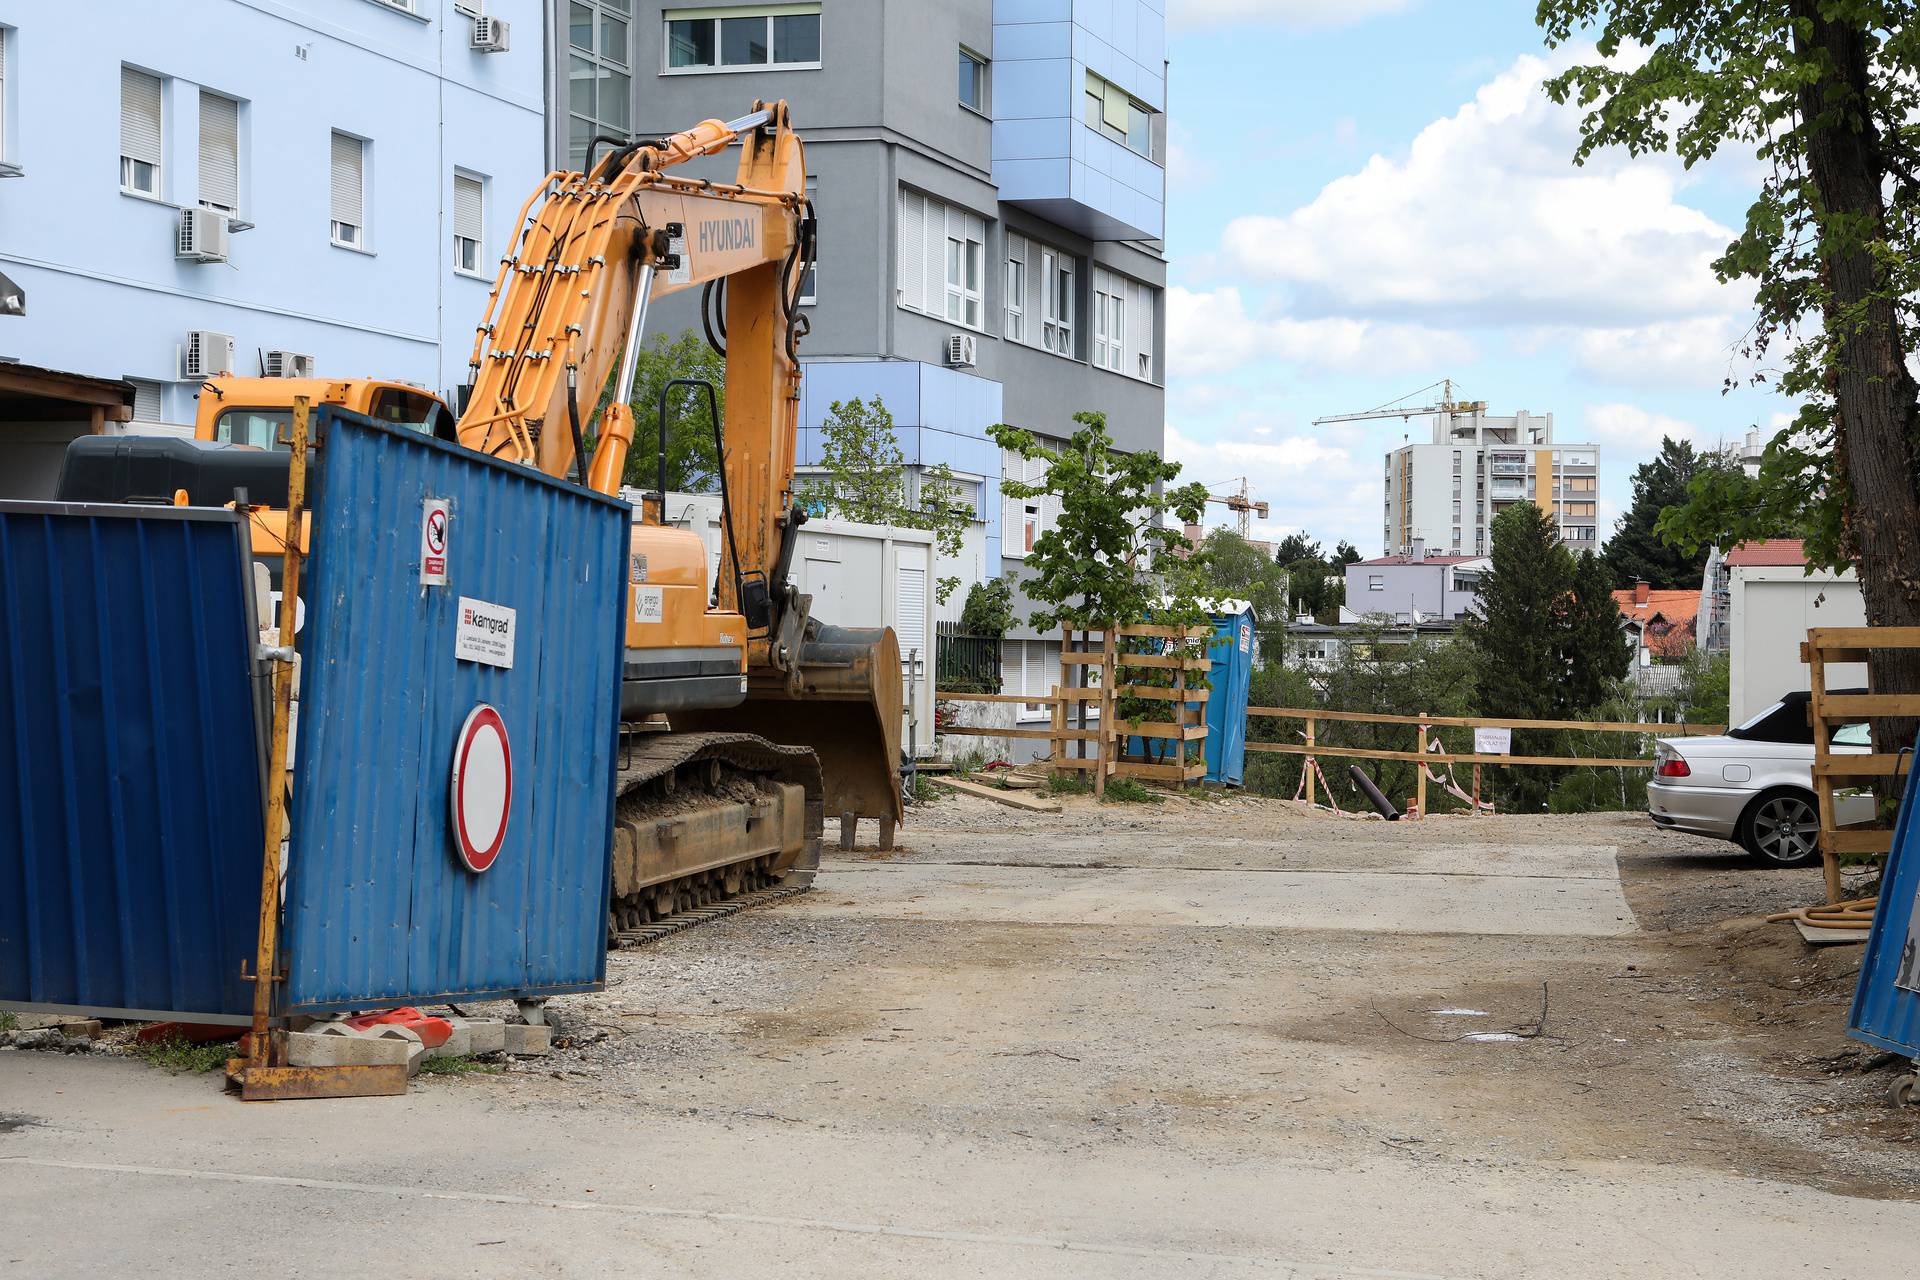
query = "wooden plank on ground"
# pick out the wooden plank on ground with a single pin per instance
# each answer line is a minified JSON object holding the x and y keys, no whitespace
{"x":1011,"y":799}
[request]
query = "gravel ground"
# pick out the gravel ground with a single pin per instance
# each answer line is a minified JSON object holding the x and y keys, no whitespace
{"x":1706,"y":1038}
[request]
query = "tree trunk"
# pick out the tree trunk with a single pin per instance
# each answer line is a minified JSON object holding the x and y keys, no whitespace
{"x":1873,"y":392}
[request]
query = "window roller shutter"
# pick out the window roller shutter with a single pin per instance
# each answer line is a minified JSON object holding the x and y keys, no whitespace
{"x":139,"y":115}
{"x":910,"y":627}
{"x":346,"y":180}
{"x":466,"y":207}
{"x":219,"y":151}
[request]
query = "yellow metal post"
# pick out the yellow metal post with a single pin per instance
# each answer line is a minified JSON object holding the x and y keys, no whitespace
{"x":267,"y":956}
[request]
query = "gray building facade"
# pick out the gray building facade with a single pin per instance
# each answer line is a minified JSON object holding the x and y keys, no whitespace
{"x":989,"y":181}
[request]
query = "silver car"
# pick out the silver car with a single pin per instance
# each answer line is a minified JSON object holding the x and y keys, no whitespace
{"x":1754,"y":784}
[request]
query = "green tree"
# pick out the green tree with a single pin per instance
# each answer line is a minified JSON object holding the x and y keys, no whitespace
{"x":692,"y":464}
{"x":1637,"y":550}
{"x":1295,"y":547}
{"x":1824,"y":94}
{"x":1232,"y":568}
{"x":866,"y":481}
{"x":1091,"y":569}
{"x":1594,"y":648}
{"x":988,"y":610}
{"x":1519,"y":639}
{"x":1346,"y":554}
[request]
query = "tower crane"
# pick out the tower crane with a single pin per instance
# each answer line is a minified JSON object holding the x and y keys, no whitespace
{"x":1446,"y":405}
{"x":1240,"y":502}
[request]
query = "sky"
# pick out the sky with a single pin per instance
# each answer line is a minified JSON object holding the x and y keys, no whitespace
{"x":1367,"y":196}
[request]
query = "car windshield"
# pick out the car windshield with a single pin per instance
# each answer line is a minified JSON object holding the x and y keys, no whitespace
{"x":259,"y":428}
{"x":1852,"y":735}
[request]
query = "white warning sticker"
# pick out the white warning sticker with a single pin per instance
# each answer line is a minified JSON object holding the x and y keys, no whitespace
{"x":483,"y":633}
{"x":649,"y":604}
{"x":433,"y":543}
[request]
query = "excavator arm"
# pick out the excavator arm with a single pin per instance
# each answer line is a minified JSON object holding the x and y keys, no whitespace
{"x":565,"y":322}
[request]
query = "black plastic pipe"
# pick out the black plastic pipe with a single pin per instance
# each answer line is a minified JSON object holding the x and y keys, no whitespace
{"x":1379,"y":802}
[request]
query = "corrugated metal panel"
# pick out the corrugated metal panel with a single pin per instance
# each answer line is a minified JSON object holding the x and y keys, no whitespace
{"x":1232,"y":674}
{"x":1886,"y":1014}
{"x":379,"y":909}
{"x":130,"y":807}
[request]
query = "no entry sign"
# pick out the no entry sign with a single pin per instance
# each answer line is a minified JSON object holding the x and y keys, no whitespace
{"x":482,"y":788}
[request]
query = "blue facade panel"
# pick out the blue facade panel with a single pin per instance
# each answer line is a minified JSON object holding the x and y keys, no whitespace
{"x":1045,"y":157}
{"x":379,"y":908}
{"x":131,"y":824}
{"x":1886,"y":1003}
{"x":940,"y":416}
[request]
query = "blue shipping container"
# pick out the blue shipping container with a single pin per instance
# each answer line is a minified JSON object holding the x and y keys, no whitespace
{"x":131,"y":822}
{"x":1886,"y":1003}
{"x":379,"y":908}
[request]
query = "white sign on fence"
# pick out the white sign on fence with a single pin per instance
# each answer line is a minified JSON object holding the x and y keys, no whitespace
{"x":483,"y":633}
{"x":1493,"y":742}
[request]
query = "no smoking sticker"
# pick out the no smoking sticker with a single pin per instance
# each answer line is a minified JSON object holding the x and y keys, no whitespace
{"x":433,"y":543}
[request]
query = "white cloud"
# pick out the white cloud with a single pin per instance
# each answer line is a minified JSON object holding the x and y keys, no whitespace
{"x":1342,"y":499}
{"x":1698,"y":352}
{"x":1211,"y":332}
{"x":1196,"y":14}
{"x":1487,"y":221}
{"x":1629,"y":434}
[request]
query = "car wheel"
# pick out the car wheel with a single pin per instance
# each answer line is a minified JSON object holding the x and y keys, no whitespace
{"x":1783,"y":829}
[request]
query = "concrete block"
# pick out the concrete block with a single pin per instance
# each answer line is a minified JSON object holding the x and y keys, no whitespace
{"x":81,"y":1029}
{"x":307,"y":1049}
{"x":528,"y":1041}
{"x":486,"y":1035}
{"x":458,"y":1045}
{"x":416,"y":1054}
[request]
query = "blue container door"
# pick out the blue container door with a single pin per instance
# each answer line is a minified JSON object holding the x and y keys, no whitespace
{"x":1232,"y":656}
{"x":131,"y":823}
{"x":380,"y":908}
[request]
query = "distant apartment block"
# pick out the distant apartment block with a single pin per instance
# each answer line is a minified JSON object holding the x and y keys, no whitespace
{"x":1445,"y":494}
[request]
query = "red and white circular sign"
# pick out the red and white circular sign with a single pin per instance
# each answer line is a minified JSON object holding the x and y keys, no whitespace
{"x":482,"y":789}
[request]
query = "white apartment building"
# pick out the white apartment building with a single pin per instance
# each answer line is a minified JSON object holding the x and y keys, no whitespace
{"x":1445,"y":494}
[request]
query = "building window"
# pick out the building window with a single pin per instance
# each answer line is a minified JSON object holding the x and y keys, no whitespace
{"x":747,"y":39}
{"x":219,"y":153}
{"x":965,"y":247}
{"x":349,"y":191}
{"x":469,"y":221}
{"x":973,"y":81}
{"x":404,"y":6}
{"x":1056,"y":278}
{"x":1455,"y":544}
{"x":599,"y":73}
{"x":1376,"y":582}
{"x":1029,"y":529}
{"x":1581,"y":484}
{"x":1116,"y":113}
{"x":937,"y":267}
{"x":1109,"y":320}
{"x":1017,"y":288}
{"x":140,"y":133}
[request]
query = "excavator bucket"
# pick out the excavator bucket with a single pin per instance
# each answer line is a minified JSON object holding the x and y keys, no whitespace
{"x":847,"y":708}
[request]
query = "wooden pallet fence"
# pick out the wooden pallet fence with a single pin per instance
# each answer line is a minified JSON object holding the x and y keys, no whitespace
{"x":1186,"y":724}
{"x":1422,"y":724}
{"x":1839,"y":771}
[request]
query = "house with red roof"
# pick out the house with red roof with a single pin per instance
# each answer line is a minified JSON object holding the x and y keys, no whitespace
{"x":1664,"y":623}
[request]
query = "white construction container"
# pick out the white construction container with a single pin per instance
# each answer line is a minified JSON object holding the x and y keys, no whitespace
{"x":859,"y":575}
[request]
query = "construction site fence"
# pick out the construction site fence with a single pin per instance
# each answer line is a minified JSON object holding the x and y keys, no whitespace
{"x":1839,"y":771}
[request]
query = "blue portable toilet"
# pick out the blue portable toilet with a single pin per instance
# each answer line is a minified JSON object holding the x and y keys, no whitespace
{"x":1232,"y":679}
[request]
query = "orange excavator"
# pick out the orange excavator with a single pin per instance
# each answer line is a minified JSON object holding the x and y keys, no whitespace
{"x":746,"y":721}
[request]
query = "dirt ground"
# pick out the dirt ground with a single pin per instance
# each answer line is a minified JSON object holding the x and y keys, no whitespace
{"x":1702,"y":1038}
{"x":1214,"y":1037}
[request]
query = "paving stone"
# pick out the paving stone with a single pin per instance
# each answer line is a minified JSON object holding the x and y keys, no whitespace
{"x":458,"y":1045}
{"x":528,"y":1041}
{"x":306,"y":1049}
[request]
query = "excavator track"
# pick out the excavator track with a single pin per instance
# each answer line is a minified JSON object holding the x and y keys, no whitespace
{"x":706,"y":824}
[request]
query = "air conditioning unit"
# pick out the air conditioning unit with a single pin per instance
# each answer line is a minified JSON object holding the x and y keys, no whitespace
{"x":287,"y":364}
{"x":203,"y":236}
{"x":489,"y":34}
{"x":961,"y":352}
{"x":205,"y":355}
